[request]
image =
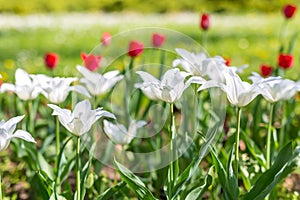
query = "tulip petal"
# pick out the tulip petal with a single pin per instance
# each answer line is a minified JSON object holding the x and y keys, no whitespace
{"x":146,"y":77}
{"x":81,"y":90}
{"x":7,"y":87}
{"x":11,"y":124}
{"x":23,"y":135}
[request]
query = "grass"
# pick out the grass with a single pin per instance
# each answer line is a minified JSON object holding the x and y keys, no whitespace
{"x":245,"y":39}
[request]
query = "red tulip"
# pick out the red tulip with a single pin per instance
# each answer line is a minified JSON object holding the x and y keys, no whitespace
{"x":92,"y":62}
{"x":285,"y":61}
{"x":51,"y":60}
{"x":135,"y":48}
{"x":1,"y":82}
{"x":227,"y":61}
{"x":204,"y":22}
{"x":266,"y":70}
{"x":289,"y":11}
{"x":106,"y":38}
{"x":158,"y":39}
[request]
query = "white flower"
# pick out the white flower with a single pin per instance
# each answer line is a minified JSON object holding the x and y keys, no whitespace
{"x":25,"y":87}
{"x":81,"y":119}
{"x":57,"y":89}
{"x":277,"y":88}
{"x":239,"y":93}
{"x":7,"y":132}
{"x":203,"y":66}
{"x":169,"y":89}
{"x":119,"y":134}
{"x":190,"y":62}
{"x":96,"y":83}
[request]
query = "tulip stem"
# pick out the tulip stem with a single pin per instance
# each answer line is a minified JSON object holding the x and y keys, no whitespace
{"x":1,"y":186}
{"x":237,"y":141}
{"x":268,"y":156}
{"x":283,"y":122}
{"x":57,"y":136}
{"x":78,"y":167}
{"x":173,"y":157}
{"x":31,"y":117}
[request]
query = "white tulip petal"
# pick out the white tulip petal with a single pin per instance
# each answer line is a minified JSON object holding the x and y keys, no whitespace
{"x":81,"y":90}
{"x":11,"y":124}
{"x":7,"y":87}
{"x":23,"y":135}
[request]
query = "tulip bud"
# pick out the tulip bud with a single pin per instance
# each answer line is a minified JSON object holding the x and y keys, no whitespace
{"x":204,"y":22}
{"x":158,"y":39}
{"x":285,"y":61}
{"x":92,"y":62}
{"x":51,"y":60}
{"x":266,"y":70}
{"x":106,"y":39}
{"x":289,"y":11}
{"x":135,"y":48}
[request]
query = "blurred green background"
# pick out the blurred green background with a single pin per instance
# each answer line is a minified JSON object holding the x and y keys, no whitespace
{"x":41,"y":6}
{"x":246,"y":31}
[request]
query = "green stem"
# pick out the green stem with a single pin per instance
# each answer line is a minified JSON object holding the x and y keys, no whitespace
{"x":162,"y":62}
{"x":57,"y":136}
{"x":128,"y":87}
{"x":237,"y":141}
{"x":1,"y":186}
{"x":283,"y":121}
{"x":78,"y":167}
{"x":31,"y":117}
{"x":268,"y":151}
{"x":204,"y":38}
{"x":173,"y":156}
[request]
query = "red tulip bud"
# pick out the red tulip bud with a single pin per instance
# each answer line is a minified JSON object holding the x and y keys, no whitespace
{"x":289,"y":11}
{"x":51,"y":60}
{"x":266,"y":70}
{"x":135,"y":48}
{"x":92,"y":62}
{"x":285,"y":61}
{"x":204,"y":22}
{"x":106,"y":38}
{"x":158,"y":39}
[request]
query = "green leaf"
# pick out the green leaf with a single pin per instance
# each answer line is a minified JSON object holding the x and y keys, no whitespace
{"x":83,"y":176}
{"x":285,"y":163}
{"x":46,"y":181}
{"x":198,"y":192}
{"x":111,"y":191}
{"x":232,"y":187}
{"x":134,"y":182}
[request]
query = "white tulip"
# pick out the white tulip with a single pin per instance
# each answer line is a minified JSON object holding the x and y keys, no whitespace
{"x":25,"y":87}
{"x":119,"y":134}
{"x":277,"y":88}
{"x":169,"y":89}
{"x":96,"y":83}
{"x":7,"y":132}
{"x":203,"y":66}
{"x":81,"y":119}
{"x":57,"y":89}
{"x":239,"y":93}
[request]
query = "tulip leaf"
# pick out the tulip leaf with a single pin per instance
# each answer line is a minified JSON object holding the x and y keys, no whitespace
{"x":185,"y":176}
{"x":134,"y":182}
{"x":83,"y":176}
{"x":197,"y":192}
{"x":111,"y":191}
{"x":227,"y":179}
{"x":46,"y":182}
{"x":286,"y":162}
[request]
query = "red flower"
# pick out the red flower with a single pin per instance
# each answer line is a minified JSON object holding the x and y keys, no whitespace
{"x":1,"y":82}
{"x":289,"y":11}
{"x":106,"y":38}
{"x":204,"y":22}
{"x":135,"y":48}
{"x":266,"y":70}
{"x":51,"y":60}
{"x":285,"y":61}
{"x":92,"y":62}
{"x":158,"y":39}
{"x":227,"y":61}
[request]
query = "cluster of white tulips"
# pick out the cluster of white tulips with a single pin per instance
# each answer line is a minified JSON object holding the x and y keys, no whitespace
{"x":198,"y":69}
